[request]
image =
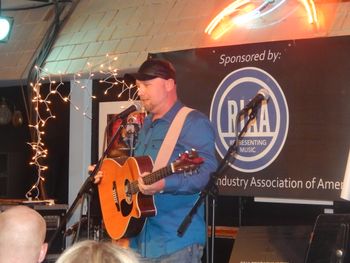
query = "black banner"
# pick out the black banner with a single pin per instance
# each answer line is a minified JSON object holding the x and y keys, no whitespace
{"x":297,"y":145}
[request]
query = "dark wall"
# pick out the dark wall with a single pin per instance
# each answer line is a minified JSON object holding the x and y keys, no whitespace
{"x":15,"y":173}
{"x":56,"y":139}
{"x":15,"y":153}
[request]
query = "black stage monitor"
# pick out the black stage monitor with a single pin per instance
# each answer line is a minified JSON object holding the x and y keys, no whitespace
{"x":271,"y":244}
{"x":330,"y":239}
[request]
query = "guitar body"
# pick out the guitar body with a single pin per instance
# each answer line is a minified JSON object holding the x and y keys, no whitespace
{"x":124,"y":213}
{"x":124,"y":207}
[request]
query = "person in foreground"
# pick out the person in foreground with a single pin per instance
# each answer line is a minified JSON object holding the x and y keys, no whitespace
{"x":22,"y":236}
{"x":91,"y":251}
{"x":175,"y":195}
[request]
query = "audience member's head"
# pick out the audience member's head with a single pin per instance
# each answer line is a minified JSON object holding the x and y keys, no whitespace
{"x":90,"y":251}
{"x":22,"y":236}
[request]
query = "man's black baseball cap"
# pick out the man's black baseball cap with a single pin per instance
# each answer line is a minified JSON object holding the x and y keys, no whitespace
{"x":154,"y":68}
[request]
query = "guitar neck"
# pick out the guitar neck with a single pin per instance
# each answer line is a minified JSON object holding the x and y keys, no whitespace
{"x":152,"y":178}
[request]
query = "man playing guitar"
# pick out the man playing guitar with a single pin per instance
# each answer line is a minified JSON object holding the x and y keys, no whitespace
{"x":174,"y":195}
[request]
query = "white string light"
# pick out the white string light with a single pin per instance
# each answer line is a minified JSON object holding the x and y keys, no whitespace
{"x":43,"y":112}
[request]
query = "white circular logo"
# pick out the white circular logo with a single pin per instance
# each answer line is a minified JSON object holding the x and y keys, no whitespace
{"x":266,"y":134}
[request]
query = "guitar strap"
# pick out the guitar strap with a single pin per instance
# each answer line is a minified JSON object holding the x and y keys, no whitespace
{"x":170,"y":139}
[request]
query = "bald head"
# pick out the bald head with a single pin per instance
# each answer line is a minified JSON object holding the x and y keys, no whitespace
{"x":22,"y":235}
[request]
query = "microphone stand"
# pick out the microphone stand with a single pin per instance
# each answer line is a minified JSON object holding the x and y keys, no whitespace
{"x":87,"y":185}
{"x":211,"y":187}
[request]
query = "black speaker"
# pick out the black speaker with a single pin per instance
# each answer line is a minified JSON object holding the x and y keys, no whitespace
{"x":271,"y":244}
{"x":330,"y":239}
{"x":53,"y":215}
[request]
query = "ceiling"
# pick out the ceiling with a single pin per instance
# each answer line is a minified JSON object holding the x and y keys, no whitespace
{"x":31,"y":24}
{"x":6,"y":4}
{"x":20,"y":3}
{"x":130,"y":29}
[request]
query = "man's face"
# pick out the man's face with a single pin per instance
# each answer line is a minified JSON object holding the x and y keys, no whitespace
{"x":153,"y":94}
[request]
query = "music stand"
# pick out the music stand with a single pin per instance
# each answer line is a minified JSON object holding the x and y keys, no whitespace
{"x":329,"y":242}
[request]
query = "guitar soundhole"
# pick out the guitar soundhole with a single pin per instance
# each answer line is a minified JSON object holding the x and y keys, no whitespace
{"x":126,"y":203}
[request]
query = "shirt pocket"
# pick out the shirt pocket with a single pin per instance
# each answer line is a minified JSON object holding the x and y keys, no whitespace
{"x":155,"y":144}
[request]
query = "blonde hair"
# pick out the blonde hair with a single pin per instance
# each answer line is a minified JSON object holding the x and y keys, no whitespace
{"x":90,"y":251}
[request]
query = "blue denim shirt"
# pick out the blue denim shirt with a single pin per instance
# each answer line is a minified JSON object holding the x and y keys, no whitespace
{"x":159,"y":234}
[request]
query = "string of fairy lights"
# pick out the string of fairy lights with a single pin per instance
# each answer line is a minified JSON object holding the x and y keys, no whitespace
{"x":111,"y":78}
{"x":43,"y":112}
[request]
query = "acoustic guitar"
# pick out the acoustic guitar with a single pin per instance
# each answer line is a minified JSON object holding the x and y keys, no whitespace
{"x":124,"y":207}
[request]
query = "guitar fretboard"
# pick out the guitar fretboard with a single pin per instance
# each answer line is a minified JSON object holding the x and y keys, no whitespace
{"x":151,"y":178}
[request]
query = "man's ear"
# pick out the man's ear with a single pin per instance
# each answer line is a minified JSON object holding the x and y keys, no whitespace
{"x":170,"y":84}
{"x":43,"y":251}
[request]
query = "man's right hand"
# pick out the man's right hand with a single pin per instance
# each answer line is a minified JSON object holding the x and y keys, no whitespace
{"x":98,"y":176}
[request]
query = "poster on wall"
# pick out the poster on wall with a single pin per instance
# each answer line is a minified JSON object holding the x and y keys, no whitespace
{"x":296,"y":146}
{"x":127,"y":128}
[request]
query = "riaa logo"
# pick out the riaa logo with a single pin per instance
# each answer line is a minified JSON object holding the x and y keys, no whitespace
{"x":266,"y":134}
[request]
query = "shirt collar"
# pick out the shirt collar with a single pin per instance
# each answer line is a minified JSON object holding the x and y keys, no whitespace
{"x":170,"y":115}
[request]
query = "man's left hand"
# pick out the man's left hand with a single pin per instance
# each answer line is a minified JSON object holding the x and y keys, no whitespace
{"x":152,"y":188}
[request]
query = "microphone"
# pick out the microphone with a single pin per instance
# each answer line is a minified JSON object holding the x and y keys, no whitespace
{"x":262,"y":94}
{"x":125,"y":113}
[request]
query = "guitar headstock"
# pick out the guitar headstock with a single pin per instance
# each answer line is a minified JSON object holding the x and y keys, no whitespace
{"x":187,"y":162}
